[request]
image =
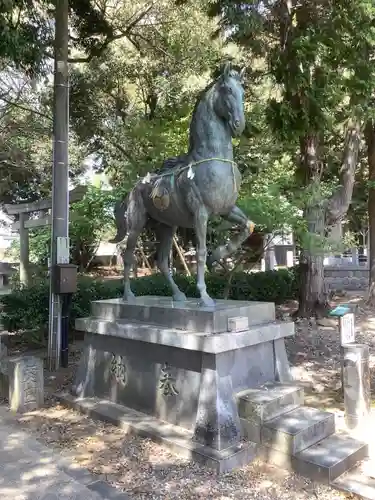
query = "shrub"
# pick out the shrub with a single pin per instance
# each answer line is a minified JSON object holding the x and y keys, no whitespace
{"x":26,"y":309}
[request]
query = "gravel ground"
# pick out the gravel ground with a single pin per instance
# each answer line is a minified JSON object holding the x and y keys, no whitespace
{"x":146,"y":470}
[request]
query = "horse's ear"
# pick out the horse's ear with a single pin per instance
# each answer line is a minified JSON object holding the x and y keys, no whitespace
{"x":242,"y":74}
{"x":226,"y":69}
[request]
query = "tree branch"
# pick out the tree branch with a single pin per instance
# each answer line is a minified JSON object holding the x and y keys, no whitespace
{"x":122,"y":34}
{"x":119,"y":147}
{"x":25,"y":108}
{"x":339,"y":202}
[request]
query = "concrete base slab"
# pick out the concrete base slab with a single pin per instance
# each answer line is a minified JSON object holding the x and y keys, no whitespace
{"x":358,"y":481}
{"x":177,"y":439}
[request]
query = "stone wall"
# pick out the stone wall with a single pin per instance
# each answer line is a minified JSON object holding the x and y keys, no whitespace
{"x":346,"y":277}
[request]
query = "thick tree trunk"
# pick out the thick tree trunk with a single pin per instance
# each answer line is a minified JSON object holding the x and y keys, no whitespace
{"x":312,"y":297}
{"x":320,"y":216}
{"x":370,"y":143}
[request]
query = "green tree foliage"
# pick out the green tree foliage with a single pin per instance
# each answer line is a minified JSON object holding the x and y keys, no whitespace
{"x":132,"y":104}
{"x":315,"y":54}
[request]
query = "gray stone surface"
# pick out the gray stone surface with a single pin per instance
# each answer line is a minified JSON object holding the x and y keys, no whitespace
{"x":188,"y":315}
{"x":178,"y":440}
{"x":357,"y":482}
{"x":182,"y":377}
{"x":218,"y":424}
{"x":251,"y":431}
{"x":283,"y":372}
{"x":238,"y":324}
{"x":26,"y":383}
{"x":192,"y":341}
{"x":297,"y":430}
{"x":158,"y":380}
{"x":355,"y":362}
{"x":269,"y":401}
{"x":346,"y":277}
{"x":330,"y":458}
{"x":30,"y":470}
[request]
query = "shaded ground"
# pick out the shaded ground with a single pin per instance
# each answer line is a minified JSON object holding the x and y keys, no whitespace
{"x":146,"y":470}
{"x":314,"y":352}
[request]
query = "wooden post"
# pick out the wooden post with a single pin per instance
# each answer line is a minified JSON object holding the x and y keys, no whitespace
{"x":181,"y":255}
{"x":24,"y":250}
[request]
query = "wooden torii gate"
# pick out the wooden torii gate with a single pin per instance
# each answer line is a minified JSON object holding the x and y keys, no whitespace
{"x":24,"y":223}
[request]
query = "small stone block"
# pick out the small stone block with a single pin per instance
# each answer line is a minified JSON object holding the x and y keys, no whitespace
{"x":238,"y":324}
{"x":330,"y":458}
{"x":26,"y":383}
{"x":269,"y":401}
{"x":298,"y":429}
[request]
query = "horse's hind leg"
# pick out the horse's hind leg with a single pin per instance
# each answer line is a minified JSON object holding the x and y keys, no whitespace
{"x":136,"y":221}
{"x":165,"y":235}
{"x":236,"y":216}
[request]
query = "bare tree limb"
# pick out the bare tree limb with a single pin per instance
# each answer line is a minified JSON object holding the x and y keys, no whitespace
{"x":339,"y":202}
{"x":24,"y":108}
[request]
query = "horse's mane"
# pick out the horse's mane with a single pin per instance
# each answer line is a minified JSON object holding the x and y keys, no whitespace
{"x":184,"y":159}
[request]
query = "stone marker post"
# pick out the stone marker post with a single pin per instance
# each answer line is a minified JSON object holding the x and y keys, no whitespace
{"x":356,"y":385}
{"x":355,"y":371}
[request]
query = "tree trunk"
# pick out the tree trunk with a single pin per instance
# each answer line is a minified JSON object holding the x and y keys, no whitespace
{"x":370,"y":143}
{"x":312,"y":296}
{"x":321,"y":216}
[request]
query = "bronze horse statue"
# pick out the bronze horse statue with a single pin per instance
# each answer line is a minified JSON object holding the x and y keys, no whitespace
{"x":190,"y":188}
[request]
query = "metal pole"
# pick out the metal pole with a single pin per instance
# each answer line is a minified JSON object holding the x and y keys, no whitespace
{"x":60,"y":177}
{"x":24,"y":250}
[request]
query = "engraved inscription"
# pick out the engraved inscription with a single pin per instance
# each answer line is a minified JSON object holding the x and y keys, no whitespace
{"x":167,"y":382}
{"x":30,"y":381}
{"x":118,"y":369}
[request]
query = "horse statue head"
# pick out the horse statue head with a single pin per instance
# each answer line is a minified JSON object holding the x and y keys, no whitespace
{"x":228,"y":99}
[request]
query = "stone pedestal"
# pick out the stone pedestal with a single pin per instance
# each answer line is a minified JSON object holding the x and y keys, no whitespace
{"x":178,"y":363}
{"x":212,"y":384}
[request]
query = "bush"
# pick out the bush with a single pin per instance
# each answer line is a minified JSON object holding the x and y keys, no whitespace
{"x":26,"y":309}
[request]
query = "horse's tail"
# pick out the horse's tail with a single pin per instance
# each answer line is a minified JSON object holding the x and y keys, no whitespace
{"x":120,"y":220}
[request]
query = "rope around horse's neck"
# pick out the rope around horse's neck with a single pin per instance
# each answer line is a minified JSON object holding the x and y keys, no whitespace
{"x":199,"y":162}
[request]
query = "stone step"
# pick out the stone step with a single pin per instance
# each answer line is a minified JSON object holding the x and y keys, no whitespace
{"x":359,"y":481}
{"x":332,"y":457}
{"x":188,"y":315}
{"x":182,"y":339}
{"x":268,"y":401}
{"x":297,"y":430}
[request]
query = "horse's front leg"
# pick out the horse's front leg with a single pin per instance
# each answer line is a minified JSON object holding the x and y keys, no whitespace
{"x":236,"y":216}
{"x":201,"y":219}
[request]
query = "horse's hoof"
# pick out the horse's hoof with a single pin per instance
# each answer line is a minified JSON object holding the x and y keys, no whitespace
{"x":207,"y":302}
{"x":129,"y":297}
{"x":179,"y":297}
